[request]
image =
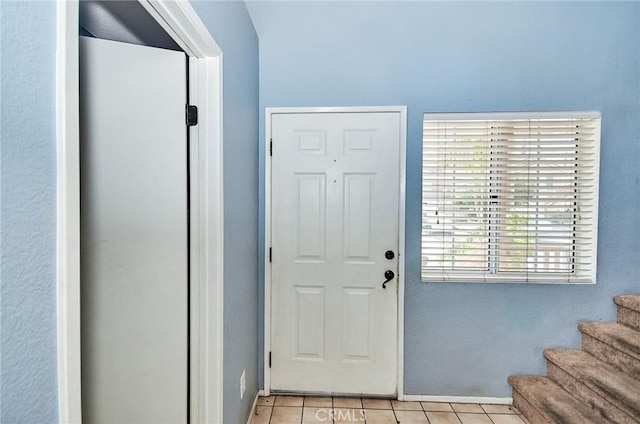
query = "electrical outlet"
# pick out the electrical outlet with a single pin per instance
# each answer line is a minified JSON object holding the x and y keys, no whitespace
{"x":243,"y":385}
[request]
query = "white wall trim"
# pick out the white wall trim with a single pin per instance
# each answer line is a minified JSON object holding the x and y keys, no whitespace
{"x":267,"y":245}
{"x":401,"y":248}
{"x":460,"y":399}
{"x":206,"y":247}
{"x":269,"y":111}
{"x":182,"y":23}
{"x":68,"y":213}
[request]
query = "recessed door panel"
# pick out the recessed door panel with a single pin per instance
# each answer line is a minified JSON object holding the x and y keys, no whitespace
{"x":358,"y":324}
{"x":310,"y":216}
{"x":358,"y":203}
{"x":309,"y":323}
{"x":311,"y":142}
{"x":358,"y":141}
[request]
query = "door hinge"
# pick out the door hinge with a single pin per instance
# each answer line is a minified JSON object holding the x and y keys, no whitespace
{"x":192,"y":115}
{"x":270,"y":255}
{"x":269,"y":359}
{"x":271,"y":147}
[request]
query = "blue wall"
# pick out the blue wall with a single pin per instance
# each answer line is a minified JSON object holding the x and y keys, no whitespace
{"x":231,"y":26}
{"x":28,"y":287}
{"x":463,"y":339}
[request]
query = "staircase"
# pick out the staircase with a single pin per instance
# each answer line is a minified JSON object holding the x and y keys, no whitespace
{"x":598,"y":384}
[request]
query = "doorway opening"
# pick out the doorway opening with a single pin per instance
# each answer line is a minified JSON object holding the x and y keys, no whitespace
{"x":334,"y":233}
{"x":184,"y":27}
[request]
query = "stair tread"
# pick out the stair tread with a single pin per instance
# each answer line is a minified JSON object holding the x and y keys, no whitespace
{"x":617,"y":335}
{"x":629,"y":301}
{"x":619,"y":387}
{"x":552,"y":401}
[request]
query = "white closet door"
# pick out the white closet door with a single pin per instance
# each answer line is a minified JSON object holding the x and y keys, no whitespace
{"x":134,"y":280}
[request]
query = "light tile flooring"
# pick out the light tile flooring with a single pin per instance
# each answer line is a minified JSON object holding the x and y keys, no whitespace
{"x":327,"y":410}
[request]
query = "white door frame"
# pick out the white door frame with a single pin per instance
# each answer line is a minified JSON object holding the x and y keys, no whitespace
{"x":182,"y":23}
{"x":269,"y":112}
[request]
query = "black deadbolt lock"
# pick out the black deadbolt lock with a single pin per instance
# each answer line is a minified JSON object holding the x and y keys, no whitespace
{"x":389,"y":254}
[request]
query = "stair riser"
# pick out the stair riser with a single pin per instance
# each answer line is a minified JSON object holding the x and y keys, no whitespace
{"x":611,"y":355}
{"x":608,"y":409}
{"x":529,"y":412}
{"x":629,"y":318}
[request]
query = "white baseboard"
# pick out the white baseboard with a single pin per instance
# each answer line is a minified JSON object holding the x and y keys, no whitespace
{"x":253,"y":407}
{"x":458,"y":399}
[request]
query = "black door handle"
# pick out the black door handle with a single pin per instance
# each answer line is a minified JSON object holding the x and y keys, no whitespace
{"x":388,"y":274}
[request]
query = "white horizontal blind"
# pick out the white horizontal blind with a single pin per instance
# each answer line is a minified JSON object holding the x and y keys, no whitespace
{"x":510,"y":197}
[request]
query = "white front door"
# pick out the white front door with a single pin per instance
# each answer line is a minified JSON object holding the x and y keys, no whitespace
{"x":335,"y":185}
{"x":134,"y":280}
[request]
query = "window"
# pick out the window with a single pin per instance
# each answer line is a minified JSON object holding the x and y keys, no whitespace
{"x":510,"y":197}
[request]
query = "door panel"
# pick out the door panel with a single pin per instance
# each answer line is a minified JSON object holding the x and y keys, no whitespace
{"x":310,"y":317}
{"x":134,"y":233}
{"x":357,"y":324}
{"x":335,"y":197}
{"x":357,"y":226}
{"x":310,"y":217}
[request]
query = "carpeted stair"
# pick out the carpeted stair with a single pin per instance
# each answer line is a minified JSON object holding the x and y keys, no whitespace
{"x":599,"y":384}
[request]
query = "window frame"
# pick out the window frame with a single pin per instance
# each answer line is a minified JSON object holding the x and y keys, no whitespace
{"x":582,"y":273}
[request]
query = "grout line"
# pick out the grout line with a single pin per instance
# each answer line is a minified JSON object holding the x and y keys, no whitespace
{"x":424,"y":411}
{"x":394,"y":412}
{"x":481,"y":413}
{"x":333,"y":409}
{"x":365,"y":411}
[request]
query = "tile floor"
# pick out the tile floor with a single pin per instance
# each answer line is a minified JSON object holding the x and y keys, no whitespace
{"x":327,"y":410}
